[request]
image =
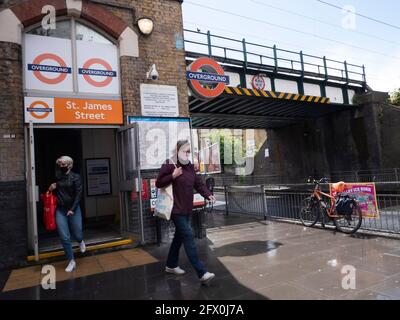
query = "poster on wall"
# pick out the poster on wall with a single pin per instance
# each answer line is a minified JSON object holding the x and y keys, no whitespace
{"x":48,"y":63}
{"x":365,"y":194}
{"x":98,"y":176}
{"x":97,"y":67}
{"x":158,"y":138}
{"x":159,"y":100}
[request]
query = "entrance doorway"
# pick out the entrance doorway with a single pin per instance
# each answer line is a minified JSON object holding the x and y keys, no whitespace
{"x":101,"y":210}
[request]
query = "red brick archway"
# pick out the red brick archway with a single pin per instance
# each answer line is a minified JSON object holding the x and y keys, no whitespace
{"x":30,"y":12}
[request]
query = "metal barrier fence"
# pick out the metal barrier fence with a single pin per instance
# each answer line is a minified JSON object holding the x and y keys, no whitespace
{"x":286,"y":204}
{"x":380,"y":175}
{"x":383,"y":175}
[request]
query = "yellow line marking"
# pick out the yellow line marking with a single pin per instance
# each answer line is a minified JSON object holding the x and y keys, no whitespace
{"x":89,"y":248}
{"x":281,"y":95}
{"x":317,"y":99}
{"x":328,"y":100}
{"x":303,"y":98}
{"x":272,"y":94}
{"x":247,"y":92}
{"x":323,"y":100}
{"x":296,"y":97}
{"x":289,"y":96}
{"x":228,"y":90}
{"x":265,"y":94}
{"x":255,"y":92}
{"x":238,"y":91}
{"x":310,"y":99}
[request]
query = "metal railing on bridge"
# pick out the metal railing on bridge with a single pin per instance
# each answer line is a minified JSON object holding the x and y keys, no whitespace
{"x":273,"y":59}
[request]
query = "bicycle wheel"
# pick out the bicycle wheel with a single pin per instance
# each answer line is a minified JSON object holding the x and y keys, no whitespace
{"x":349,"y":223}
{"x":310,"y":212}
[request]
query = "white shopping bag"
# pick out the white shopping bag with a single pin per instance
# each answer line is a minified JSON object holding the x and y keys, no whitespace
{"x":165,"y":202}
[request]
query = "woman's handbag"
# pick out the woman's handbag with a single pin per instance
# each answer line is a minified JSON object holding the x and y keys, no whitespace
{"x":165,"y":202}
{"x":49,"y":212}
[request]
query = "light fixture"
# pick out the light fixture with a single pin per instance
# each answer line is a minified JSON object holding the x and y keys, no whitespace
{"x":145,"y":25}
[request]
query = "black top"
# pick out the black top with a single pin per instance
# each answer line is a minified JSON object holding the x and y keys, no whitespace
{"x":69,"y":190}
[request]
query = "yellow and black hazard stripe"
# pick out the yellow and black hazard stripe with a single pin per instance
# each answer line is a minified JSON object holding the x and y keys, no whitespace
{"x":275,"y":95}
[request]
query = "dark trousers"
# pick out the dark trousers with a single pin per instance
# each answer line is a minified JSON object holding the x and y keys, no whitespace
{"x":184,"y":235}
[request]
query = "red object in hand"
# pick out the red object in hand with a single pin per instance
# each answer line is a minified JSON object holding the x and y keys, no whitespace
{"x":49,"y":212}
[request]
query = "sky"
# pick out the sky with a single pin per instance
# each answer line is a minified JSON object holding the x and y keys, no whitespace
{"x":310,"y":26}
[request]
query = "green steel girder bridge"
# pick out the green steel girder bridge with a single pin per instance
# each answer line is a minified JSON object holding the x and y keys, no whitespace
{"x":298,"y":86}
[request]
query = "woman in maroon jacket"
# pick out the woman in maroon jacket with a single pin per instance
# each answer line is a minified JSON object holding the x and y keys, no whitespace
{"x":183,"y":178}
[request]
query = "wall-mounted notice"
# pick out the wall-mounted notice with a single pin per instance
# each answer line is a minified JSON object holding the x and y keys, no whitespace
{"x":98,"y":176}
{"x":159,"y":100}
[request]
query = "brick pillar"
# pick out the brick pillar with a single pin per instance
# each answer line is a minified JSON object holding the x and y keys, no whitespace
{"x":13,"y":225}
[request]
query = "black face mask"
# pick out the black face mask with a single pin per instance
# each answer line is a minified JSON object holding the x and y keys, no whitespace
{"x":63,"y":169}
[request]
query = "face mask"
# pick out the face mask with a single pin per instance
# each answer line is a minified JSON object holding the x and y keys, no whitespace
{"x":64,"y":169}
{"x":183,"y":157}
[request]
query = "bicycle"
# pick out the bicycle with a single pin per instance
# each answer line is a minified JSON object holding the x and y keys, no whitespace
{"x":310,"y":212}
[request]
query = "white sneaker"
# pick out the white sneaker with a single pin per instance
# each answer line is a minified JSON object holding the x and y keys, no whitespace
{"x":178,"y":271}
{"x":82,"y":247}
{"x":207,"y":277}
{"x":71,"y":266}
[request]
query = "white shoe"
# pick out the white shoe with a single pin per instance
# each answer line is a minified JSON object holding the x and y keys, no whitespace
{"x":207,"y":277}
{"x":71,"y":266}
{"x":178,"y":271}
{"x":82,"y":247}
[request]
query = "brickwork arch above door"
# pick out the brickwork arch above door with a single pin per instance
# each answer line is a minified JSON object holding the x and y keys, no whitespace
{"x":23,"y":15}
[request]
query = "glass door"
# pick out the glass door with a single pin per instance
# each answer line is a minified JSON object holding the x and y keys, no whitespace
{"x":130,"y":183}
{"x":32,"y":191}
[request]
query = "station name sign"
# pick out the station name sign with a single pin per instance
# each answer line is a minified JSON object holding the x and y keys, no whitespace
{"x":72,"y":111}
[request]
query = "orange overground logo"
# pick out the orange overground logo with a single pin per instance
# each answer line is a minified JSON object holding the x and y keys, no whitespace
{"x":206,"y":78}
{"x":39,"y":110}
{"x":88,"y":72}
{"x":38,"y":68}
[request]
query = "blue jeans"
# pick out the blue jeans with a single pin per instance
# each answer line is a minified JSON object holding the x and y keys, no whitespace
{"x":184,"y":234}
{"x":66,"y":226}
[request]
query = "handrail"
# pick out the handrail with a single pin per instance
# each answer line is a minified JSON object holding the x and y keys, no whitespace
{"x":349,"y":71}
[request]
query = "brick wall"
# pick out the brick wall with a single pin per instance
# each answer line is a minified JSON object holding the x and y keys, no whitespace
{"x":11,"y":117}
{"x":13,"y":224}
{"x":159,"y":48}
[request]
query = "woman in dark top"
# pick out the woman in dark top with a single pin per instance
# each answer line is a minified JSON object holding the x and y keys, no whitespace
{"x":68,"y":214}
{"x":183,"y":178}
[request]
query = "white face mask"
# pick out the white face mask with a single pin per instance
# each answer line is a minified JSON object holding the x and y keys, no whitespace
{"x":183,"y":157}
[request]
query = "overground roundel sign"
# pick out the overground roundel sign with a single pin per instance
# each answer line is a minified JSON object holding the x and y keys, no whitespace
{"x":37,"y":67}
{"x":87,"y":72}
{"x":40,"y":107}
{"x":258,"y":82}
{"x":206,"y":78}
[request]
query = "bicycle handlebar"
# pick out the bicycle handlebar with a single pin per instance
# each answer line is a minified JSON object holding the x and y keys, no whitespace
{"x":323,"y":180}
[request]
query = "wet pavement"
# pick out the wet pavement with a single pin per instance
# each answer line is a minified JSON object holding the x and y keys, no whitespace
{"x":251,"y":260}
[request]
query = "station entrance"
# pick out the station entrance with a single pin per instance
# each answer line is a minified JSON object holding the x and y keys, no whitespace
{"x":103,"y":156}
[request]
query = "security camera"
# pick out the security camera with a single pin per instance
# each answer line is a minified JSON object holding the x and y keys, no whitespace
{"x":152,"y":73}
